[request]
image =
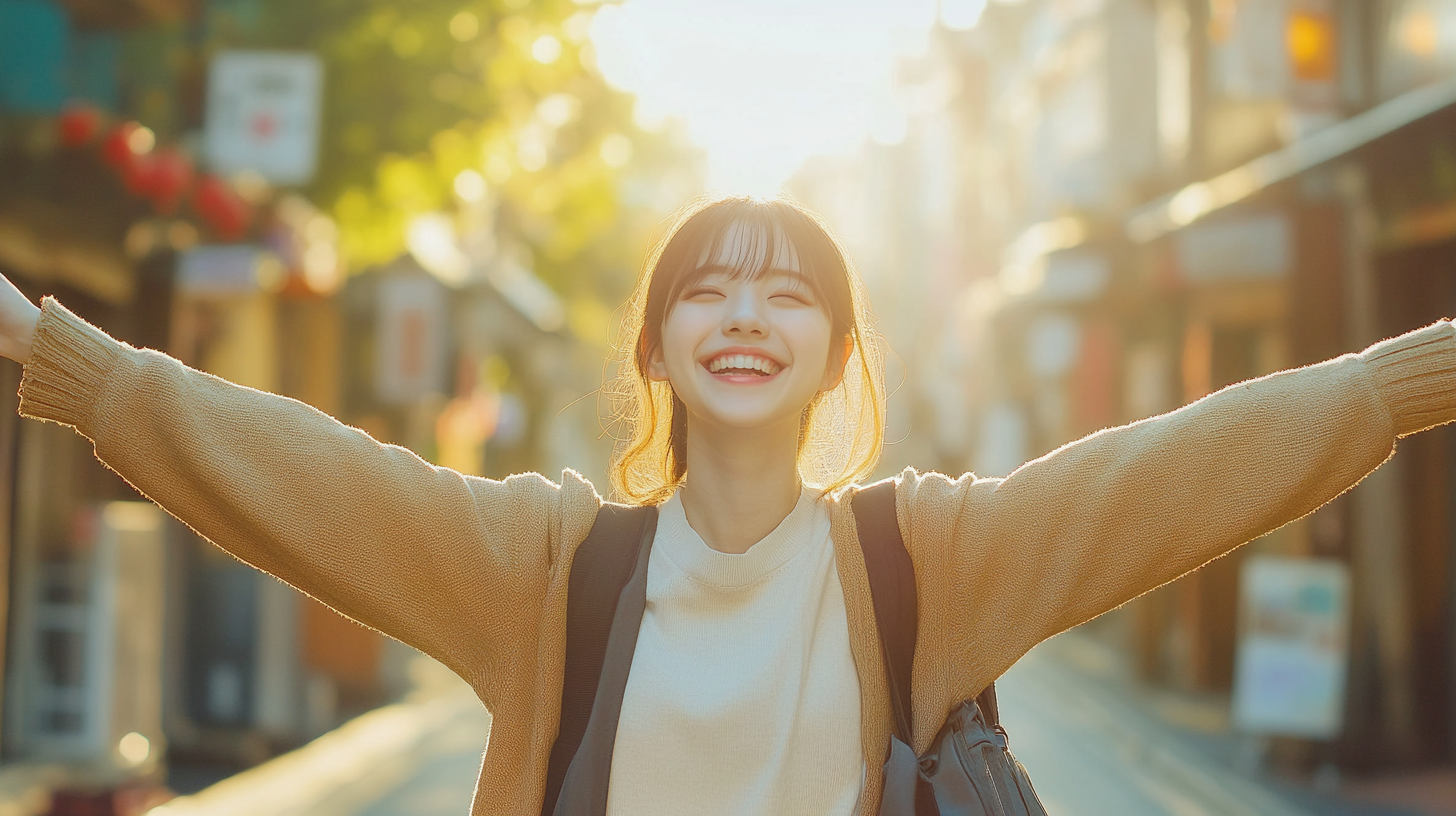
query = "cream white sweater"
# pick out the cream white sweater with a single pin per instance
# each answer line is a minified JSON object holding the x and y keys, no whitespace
{"x":743,"y":696}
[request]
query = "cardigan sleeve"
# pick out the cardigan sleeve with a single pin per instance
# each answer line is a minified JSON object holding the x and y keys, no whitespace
{"x":1102,"y":520}
{"x":453,"y":565}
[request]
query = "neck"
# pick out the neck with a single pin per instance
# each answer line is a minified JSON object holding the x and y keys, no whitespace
{"x":741,"y":484}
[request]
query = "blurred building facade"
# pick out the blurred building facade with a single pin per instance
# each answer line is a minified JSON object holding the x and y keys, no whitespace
{"x":1104,"y":209}
{"x":135,"y":654}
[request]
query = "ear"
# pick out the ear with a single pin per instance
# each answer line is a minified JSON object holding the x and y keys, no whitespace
{"x":838,"y":359}
{"x":656,"y":368}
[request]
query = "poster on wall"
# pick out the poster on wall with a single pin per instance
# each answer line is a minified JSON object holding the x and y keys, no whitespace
{"x":1292,"y":656}
{"x":263,"y":114}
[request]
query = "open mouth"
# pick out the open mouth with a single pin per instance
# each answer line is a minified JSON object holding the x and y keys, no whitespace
{"x":742,"y":366}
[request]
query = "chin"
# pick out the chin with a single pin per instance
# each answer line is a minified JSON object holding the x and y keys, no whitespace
{"x":749,"y":419}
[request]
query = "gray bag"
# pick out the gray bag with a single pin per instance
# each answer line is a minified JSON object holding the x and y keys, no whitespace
{"x":969,"y":769}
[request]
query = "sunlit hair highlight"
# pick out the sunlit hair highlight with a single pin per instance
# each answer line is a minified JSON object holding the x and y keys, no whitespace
{"x":842,"y":430}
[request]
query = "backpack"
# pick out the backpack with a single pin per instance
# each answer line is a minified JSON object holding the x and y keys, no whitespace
{"x":606,"y":596}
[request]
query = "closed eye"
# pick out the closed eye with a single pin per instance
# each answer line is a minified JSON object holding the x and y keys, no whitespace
{"x":796,"y":296}
{"x":701,"y":292}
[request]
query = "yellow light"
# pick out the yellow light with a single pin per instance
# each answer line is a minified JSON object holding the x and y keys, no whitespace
{"x":321,"y":267}
{"x":1310,"y":39}
{"x":470,"y":186}
{"x":141,"y":140}
{"x":1419,"y":33}
{"x":616,"y":150}
{"x":1190,"y":203}
{"x":431,"y":240}
{"x":464,"y":26}
{"x":546,"y":49}
{"x":557,"y":109}
{"x":134,"y":748}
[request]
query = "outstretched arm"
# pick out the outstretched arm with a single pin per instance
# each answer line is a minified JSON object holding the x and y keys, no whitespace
{"x":453,"y":565}
{"x":1102,"y":520}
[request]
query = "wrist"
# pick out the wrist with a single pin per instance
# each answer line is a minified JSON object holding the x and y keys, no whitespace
{"x":21,"y":340}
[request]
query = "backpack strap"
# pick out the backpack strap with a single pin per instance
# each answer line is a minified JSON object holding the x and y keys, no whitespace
{"x":603,"y":564}
{"x":893,"y":590}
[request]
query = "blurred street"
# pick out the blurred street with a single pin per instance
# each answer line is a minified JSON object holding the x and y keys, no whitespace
{"x":1091,"y":746}
{"x":423,"y":219}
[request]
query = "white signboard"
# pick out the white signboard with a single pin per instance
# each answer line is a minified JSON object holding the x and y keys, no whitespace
{"x":1293,"y":646}
{"x":411,"y":337}
{"x":263,"y":114}
{"x":1258,"y":246}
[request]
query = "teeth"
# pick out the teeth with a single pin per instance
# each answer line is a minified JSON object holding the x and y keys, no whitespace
{"x":743,"y":362}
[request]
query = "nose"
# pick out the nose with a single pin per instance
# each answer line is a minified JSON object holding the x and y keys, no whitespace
{"x":745,"y":316}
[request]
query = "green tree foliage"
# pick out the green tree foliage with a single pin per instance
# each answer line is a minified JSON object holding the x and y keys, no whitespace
{"x":487,"y":111}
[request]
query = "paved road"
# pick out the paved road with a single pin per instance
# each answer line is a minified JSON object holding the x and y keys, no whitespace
{"x":1090,"y":751}
{"x":1095,"y":754}
{"x":445,"y":770}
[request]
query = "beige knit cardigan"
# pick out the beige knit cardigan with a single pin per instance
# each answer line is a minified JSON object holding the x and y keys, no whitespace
{"x":474,"y":571}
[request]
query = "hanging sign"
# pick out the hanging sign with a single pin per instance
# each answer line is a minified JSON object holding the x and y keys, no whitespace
{"x":263,"y":114}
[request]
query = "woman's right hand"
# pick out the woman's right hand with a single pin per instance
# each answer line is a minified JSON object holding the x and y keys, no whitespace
{"x":18,"y":317}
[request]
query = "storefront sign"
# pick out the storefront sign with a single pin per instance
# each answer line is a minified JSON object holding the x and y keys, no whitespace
{"x":263,"y":114}
{"x":228,"y":270}
{"x":1292,"y":653}
{"x":1250,"y":247}
{"x":411,"y":336}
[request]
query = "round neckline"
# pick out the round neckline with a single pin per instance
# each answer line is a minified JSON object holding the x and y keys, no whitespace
{"x":681,"y":543}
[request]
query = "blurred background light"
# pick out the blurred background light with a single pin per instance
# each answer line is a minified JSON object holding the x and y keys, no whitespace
{"x":464,"y":26}
{"x":546,"y":49}
{"x":960,"y":15}
{"x":761,"y":85}
{"x":134,"y":748}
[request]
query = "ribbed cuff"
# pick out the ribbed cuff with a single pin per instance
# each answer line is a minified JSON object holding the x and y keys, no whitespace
{"x":70,"y":362}
{"x":1416,"y":375}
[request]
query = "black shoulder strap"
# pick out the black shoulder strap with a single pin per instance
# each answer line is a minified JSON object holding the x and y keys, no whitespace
{"x":601,"y":568}
{"x":892,"y":587}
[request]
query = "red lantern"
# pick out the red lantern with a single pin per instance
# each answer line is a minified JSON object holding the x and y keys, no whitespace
{"x":116,"y":147}
{"x":137,"y":174}
{"x":224,"y":210}
{"x":78,"y":124}
{"x":170,"y":176}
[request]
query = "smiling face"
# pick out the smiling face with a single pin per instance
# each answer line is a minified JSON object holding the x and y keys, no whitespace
{"x":747,"y":350}
{"x":748,"y":318}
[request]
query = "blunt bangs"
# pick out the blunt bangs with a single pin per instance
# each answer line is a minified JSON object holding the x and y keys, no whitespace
{"x":766,"y":233}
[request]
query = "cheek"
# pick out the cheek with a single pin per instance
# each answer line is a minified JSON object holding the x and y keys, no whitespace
{"x":810,"y":338}
{"x":682,"y":331}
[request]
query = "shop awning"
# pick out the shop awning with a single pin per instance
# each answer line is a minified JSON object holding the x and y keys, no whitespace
{"x":1181,"y":208}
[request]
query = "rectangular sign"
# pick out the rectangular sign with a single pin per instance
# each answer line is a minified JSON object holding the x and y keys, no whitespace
{"x":226,"y":270}
{"x":412,"y":338}
{"x":263,"y":114}
{"x":1293,"y":646}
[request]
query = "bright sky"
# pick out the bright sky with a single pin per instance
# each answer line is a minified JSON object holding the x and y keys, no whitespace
{"x":765,"y":84}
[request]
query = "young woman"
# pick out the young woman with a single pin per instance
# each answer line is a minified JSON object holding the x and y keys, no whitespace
{"x":753,"y":403}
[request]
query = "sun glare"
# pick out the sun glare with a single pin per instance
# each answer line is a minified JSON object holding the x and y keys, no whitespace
{"x":763,"y":85}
